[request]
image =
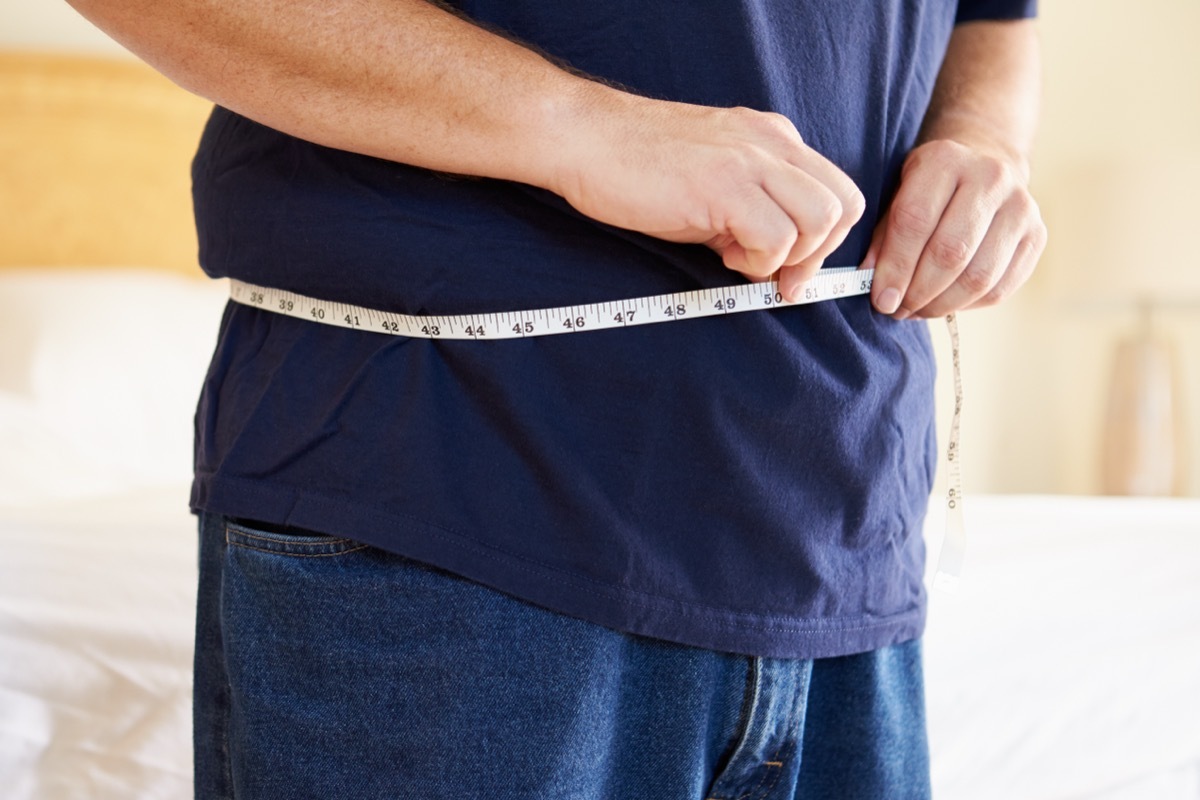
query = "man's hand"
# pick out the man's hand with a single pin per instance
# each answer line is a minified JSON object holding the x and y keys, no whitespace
{"x":963,"y":230}
{"x":740,"y":181}
{"x":407,"y":81}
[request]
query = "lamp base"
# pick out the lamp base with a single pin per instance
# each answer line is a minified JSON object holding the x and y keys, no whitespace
{"x":1143,"y":450}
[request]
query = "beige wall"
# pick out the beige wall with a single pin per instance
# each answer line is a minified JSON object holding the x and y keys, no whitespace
{"x":1122,"y":83}
{"x":51,"y":25}
{"x":1121,"y":80}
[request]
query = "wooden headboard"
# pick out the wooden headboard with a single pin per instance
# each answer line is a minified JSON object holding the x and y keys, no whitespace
{"x":94,"y":164}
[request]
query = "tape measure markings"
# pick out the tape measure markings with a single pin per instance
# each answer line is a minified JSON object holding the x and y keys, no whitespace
{"x":828,"y":284}
{"x":954,"y":544}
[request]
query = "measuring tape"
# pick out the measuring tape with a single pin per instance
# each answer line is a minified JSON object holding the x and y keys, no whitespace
{"x":827,"y":284}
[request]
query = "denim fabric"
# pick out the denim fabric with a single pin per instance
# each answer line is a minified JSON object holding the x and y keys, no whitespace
{"x":329,"y":669}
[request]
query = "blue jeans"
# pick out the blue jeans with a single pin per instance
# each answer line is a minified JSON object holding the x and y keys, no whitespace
{"x":329,"y":669}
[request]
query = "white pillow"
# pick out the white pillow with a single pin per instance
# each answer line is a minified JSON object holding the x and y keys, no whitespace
{"x":99,"y":376}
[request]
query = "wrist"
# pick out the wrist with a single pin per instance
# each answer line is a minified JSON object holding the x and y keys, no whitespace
{"x":576,"y":126}
{"x":982,"y":136}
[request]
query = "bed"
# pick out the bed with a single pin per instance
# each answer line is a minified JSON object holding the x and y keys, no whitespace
{"x":1066,"y":666}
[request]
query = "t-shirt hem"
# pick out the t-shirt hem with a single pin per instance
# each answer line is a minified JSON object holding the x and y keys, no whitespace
{"x":616,"y":607}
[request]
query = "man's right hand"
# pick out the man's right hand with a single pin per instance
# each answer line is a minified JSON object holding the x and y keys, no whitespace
{"x":407,"y":81}
{"x":742,"y":182}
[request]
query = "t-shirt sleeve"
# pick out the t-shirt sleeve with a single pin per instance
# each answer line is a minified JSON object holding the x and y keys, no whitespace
{"x":969,"y":10}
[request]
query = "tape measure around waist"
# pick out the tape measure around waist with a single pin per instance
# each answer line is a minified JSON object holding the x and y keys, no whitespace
{"x":827,"y":284}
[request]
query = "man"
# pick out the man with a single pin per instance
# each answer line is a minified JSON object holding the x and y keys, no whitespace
{"x":673,"y":561}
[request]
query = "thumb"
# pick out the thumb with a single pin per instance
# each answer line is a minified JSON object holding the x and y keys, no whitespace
{"x":886,"y":299}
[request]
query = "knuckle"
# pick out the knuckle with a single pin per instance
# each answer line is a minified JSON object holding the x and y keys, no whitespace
{"x":938,"y":150}
{"x":1025,"y":206}
{"x":994,"y":175}
{"x":779,"y":123}
{"x":1040,"y":236}
{"x":827,"y":213}
{"x":855,"y":205}
{"x":909,"y":219}
{"x":949,"y":252}
{"x":766,"y":123}
{"x":769,"y":241}
{"x":731,"y":164}
{"x":948,"y":147}
{"x":1032,"y":245}
{"x":1027,"y":253}
{"x":993,"y":297}
{"x":975,"y":281}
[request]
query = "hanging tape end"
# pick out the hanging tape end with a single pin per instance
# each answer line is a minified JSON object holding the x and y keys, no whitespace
{"x":946,"y":582}
{"x":953,"y":551}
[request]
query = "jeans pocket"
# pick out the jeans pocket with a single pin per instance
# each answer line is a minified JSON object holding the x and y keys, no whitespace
{"x":290,"y":542}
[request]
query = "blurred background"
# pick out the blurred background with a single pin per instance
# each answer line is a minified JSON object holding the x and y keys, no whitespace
{"x":1088,"y":381}
{"x":1066,"y":666}
{"x":1116,"y":168}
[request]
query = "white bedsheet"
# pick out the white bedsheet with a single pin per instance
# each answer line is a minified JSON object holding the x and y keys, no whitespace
{"x":1068,"y":665}
{"x":96,"y":618}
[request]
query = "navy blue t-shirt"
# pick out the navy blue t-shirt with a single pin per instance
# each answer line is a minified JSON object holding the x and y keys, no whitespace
{"x":753,"y":483}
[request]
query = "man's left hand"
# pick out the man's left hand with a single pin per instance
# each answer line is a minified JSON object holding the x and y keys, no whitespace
{"x":962,"y":232}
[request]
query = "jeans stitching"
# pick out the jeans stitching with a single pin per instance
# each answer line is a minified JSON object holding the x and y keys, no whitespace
{"x":762,"y":785}
{"x":788,"y":747}
{"x":785,"y":751}
{"x":298,"y":555}
{"x":231,"y":535}
{"x":226,"y":711}
{"x":323,"y":541}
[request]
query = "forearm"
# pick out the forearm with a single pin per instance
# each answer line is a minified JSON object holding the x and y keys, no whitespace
{"x":401,"y":80}
{"x":987,"y":93}
{"x":407,"y":81}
